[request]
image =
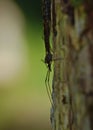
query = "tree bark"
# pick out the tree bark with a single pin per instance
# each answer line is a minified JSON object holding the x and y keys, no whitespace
{"x":72,"y":89}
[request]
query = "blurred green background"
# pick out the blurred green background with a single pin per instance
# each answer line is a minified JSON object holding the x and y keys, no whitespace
{"x":24,"y":104}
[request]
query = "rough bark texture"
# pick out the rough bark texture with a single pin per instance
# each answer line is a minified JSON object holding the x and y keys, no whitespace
{"x":72,"y":87}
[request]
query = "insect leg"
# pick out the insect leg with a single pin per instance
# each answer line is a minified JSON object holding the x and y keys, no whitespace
{"x":48,"y":86}
{"x":48,"y":81}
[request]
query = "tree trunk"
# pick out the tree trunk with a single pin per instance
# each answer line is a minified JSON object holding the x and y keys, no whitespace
{"x":72,"y":89}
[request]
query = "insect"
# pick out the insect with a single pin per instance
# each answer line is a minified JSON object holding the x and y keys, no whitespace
{"x":47,"y":27}
{"x":48,"y":15}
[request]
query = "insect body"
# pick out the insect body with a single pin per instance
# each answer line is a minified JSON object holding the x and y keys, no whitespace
{"x":47,"y":26}
{"x":48,"y":60}
{"x":47,"y":23}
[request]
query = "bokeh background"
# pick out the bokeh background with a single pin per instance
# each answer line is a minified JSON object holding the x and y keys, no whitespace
{"x":24,"y":104}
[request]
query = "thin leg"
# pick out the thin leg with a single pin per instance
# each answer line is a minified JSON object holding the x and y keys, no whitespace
{"x":48,"y":86}
{"x":48,"y":82}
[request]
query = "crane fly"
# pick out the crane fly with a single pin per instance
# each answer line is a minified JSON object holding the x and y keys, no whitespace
{"x":48,"y":10}
{"x":48,"y":57}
